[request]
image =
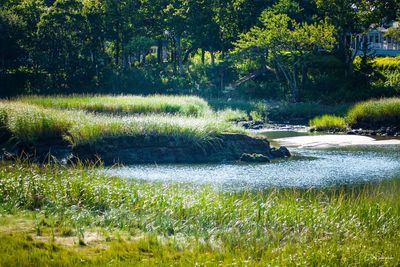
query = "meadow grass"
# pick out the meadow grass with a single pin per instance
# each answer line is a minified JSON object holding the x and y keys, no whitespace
{"x":182,"y":224}
{"x":127,"y":104}
{"x":374,"y":112}
{"x":30,"y":123}
{"x":371,"y":114}
{"x":328,"y":122}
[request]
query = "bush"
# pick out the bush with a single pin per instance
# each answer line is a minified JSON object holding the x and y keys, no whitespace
{"x":375,"y":113}
{"x":328,"y":122}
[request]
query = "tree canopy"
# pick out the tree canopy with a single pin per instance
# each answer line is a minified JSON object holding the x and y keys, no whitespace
{"x":199,"y":46}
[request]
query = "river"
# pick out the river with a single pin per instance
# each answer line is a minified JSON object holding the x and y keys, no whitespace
{"x":317,"y":161}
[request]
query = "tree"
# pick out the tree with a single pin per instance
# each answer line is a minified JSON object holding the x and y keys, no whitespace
{"x":12,"y":31}
{"x":394,"y":33}
{"x":63,"y":36}
{"x":355,"y":16}
{"x":288,"y":42}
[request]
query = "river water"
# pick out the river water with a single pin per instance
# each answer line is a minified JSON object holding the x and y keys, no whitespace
{"x":325,"y":164}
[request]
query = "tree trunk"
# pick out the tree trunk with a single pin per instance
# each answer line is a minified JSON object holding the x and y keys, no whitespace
{"x":173,"y":54}
{"x":202,"y":56}
{"x":159,"y":52}
{"x":212,"y":58}
{"x":125,"y":62}
{"x":295,"y":86}
{"x":303,"y":76}
{"x":187,"y":54}
{"x":222,"y":76}
{"x":364,"y":57}
{"x":347,"y":54}
{"x":179,"y":53}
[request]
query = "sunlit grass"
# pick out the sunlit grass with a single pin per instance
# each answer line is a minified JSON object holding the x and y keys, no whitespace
{"x":129,"y":104}
{"x":30,"y":123}
{"x":356,"y":225}
{"x":375,"y":111}
{"x":328,"y":122}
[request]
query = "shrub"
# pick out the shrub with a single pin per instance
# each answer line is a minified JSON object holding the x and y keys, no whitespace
{"x":328,"y":122}
{"x":375,"y":113}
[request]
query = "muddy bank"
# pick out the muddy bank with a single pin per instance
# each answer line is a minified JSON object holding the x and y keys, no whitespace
{"x":148,"y":149}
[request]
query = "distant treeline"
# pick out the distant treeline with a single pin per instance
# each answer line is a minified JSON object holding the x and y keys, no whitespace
{"x":286,"y":49}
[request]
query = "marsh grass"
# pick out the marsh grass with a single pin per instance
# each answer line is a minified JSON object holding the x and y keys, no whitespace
{"x":125,"y":104}
{"x":369,"y":114}
{"x":30,"y":123}
{"x":328,"y":122}
{"x":356,"y":225}
{"x":375,"y":112}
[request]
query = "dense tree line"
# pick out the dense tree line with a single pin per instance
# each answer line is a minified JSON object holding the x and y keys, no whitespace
{"x":181,"y":46}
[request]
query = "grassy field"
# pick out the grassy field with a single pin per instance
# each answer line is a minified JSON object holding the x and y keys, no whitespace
{"x":53,"y":215}
{"x":372,"y":113}
{"x":32,"y":122}
{"x":127,"y":104}
{"x":328,"y":122}
{"x":375,"y":111}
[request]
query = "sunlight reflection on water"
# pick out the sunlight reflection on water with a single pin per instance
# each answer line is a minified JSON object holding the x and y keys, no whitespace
{"x":310,"y":168}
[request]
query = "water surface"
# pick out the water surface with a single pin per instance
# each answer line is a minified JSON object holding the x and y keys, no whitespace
{"x":309,"y":167}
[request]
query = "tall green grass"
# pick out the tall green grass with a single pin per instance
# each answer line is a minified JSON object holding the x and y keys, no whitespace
{"x":374,"y":112}
{"x":328,"y":122}
{"x":30,"y":123}
{"x":369,"y":114}
{"x":130,"y":104}
{"x":334,"y":226}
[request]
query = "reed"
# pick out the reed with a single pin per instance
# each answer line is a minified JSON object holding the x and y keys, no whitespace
{"x":356,"y":225}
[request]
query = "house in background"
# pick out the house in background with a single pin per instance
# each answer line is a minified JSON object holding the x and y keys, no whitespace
{"x":378,"y":43}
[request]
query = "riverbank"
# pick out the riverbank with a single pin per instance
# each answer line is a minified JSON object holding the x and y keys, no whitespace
{"x":372,"y":117}
{"x":53,"y":215}
{"x":127,"y":130}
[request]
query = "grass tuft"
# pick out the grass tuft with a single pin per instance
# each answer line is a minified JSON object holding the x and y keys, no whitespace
{"x":328,"y":122}
{"x":126,"y":104}
{"x":375,"y":113}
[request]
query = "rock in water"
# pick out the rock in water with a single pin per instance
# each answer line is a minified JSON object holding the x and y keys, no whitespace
{"x":281,"y":152}
{"x":258,"y":158}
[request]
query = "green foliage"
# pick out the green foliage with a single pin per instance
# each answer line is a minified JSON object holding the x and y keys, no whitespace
{"x":302,"y":112}
{"x":328,"y":122}
{"x":389,"y":70}
{"x":39,"y":118}
{"x":375,"y":113}
{"x":129,"y":104}
{"x":332,"y":226}
{"x":184,"y":47}
{"x":394,"y":33}
{"x":29,"y":123}
{"x":233,"y":115}
{"x":289,"y":43}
